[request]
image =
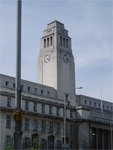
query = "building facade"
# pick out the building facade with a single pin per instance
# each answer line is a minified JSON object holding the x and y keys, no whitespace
{"x":88,"y":122}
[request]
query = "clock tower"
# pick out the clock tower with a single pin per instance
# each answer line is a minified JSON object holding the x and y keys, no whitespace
{"x":56,"y":62}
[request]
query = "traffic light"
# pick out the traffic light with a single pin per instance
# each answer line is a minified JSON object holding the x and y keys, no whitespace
{"x":17,"y":115}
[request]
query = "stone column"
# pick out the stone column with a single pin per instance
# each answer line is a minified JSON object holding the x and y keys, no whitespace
{"x":83,"y":136}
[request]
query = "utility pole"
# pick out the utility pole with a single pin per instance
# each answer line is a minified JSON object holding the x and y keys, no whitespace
{"x":17,"y":115}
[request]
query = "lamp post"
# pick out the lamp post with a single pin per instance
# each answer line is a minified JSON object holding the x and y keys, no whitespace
{"x":17,"y":115}
{"x":111,"y":129}
{"x":65,"y":146}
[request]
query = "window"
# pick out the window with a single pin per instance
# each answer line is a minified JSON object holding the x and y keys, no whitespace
{"x":26,"y":105}
{"x":50,"y":127}
{"x":58,"y":128}
{"x":90,"y":103}
{"x":71,"y":114}
{"x":6,"y":83}
{"x":13,"y":85}
{"x":51,"y":41}
{"x":8,"y":102}
{"x":85,"y":101}
{"x":35,"y":106}
{"x":47,"y":42}
{"x":71,"y":129}
{"x":43,"y":108}
{"x":66,"y":97}
{"x":43,"y":125}
{"x":35,"y":141}
{"x":99,"y":105}
{"x":42,"y":92}
{"x":8,"y":140}
{"x":43,"y":144}
{"x":26,"y":142}
{"x":48,"y":93}
{"x":103,"y":106}
{"x":64,"y":42}
{"x":57,"y":111}
{"x":95,"y":104}
{"x":35,"y":124}
{"x":26,"y":124}
{"x":67,"y":43}
{"x":60,"y":40}
{"x":50,"y":110}
{"x":28,"y":88}
{"x":35,"y":90}
{"x":107,"y":107}
{"x":8,"y":121}
{"x":44,"y":43}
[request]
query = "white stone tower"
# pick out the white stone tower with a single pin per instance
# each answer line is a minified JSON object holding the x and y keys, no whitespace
{"x":56,"y":62}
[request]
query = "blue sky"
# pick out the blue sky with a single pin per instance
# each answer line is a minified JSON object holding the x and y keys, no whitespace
{"x":89,"y":23}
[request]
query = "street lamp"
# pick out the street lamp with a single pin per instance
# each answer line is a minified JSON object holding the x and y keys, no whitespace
{"x":65,"y":146}
{"x":17,"y":115}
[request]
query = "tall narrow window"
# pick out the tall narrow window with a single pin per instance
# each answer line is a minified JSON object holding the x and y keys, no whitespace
{"x":8,"y":121}
{"x":43,"y":108}
{"x":35,"y":90}
{"x":51,"y":42}
{"x":47,"y":42}
{"x":58,"y":128}
{"x":57,"y":111}
{"x":8,"y":140}
{"x":8,"y":102}
{"x":48,"y":93}
{"x":26,"y":105}
{"x":43,"y":145}
{"x":71,"y":129}
{"x":50,"y":127}
{"x":64,"y":42}
{"x":44,"y":43}
{"x":43,"y":125}
{"x":71,"y":114}
{"x":26,"y":124}
{"x":13,"y":85}
{"x":26,"y":142}
{"x":66,"y":97}
{"x":35,"y":106}
{"x":60,"y":40}
{"x":67,"y":43}
{"x":6,"y":83}
{"x":35,"y":124}
{"x":95,"y":104}
{"x":50,"y":109}
{"x":28,"y":88}
{"x":42,"y":91}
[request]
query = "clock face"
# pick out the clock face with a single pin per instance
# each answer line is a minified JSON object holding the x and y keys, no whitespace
{"x":66,"y":58}
{"x":47,"y":58}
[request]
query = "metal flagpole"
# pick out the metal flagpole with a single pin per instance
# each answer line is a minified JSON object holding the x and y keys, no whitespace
{"x":17,"y":115}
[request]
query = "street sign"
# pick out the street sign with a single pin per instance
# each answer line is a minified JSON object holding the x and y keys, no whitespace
{"x":17,"y":115}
